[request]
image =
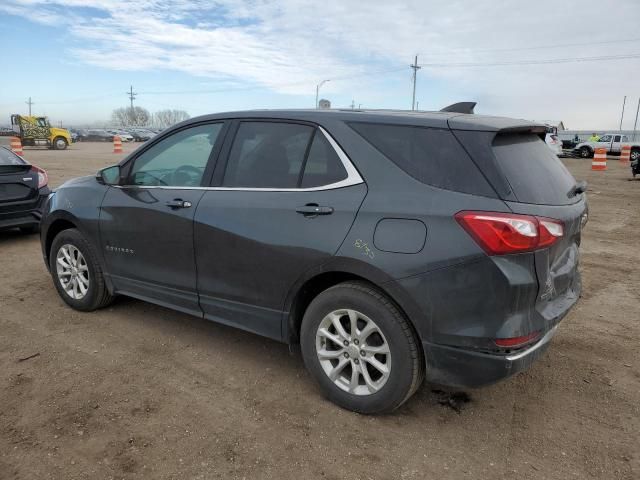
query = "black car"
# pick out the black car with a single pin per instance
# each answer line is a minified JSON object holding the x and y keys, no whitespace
{"x":97,"y":136}
{"x":391,"y":246}
{"x":23,"y":191}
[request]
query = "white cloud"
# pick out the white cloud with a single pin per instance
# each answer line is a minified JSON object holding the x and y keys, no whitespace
{"x":290,"y":45}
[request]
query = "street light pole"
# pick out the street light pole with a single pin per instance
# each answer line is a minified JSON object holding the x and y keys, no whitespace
{"x":318,"y":90}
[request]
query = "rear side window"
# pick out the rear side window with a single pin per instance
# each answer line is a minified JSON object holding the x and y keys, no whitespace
{"x":267,"y":155}
{"x":432,"y":156}
{"x":8,"y":158}
{"x":323,"y":166}
{"x":281,"y":155}
{"x":535,"y":173}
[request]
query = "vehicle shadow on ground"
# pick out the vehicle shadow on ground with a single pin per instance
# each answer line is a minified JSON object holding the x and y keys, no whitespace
{"x":7,"y":236}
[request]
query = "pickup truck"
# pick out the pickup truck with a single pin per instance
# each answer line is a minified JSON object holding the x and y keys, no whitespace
{"x":613,"y":142}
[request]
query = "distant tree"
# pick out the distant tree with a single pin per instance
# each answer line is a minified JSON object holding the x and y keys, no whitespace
{"x":130,"y":117}
{"x":166,"y":118}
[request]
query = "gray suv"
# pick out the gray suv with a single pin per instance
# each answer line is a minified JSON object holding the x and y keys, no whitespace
{"x":391,"y":246}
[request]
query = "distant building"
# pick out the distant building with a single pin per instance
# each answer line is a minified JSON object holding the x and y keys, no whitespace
{"x":324,"y":103}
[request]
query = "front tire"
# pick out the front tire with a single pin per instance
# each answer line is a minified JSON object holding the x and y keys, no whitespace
{"x":76,"y":273}
{"x":361,"y":349}
{"x":585,"y":152}
{"x":635,"y":155}
{"x":59,"y":143}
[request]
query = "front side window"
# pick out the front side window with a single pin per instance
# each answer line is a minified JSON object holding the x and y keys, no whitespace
{"x":178,"y":160}
{"x":606,"y":138}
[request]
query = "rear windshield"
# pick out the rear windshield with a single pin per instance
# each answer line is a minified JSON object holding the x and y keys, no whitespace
{"x":8,"y":158}
{"x":430,"y":155}
{"x":535,"y":173}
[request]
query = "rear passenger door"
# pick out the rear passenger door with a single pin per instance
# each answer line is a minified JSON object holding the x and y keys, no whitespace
{"x":282,"y":204}
{"x":615,"y":144}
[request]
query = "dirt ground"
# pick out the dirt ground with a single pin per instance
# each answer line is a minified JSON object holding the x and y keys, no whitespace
{"x":139,"y":391}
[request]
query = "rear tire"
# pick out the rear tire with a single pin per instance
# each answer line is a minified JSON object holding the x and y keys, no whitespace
{"x":72,"y":258}
{"x":345,"y":364}
{"x":635,"y":155}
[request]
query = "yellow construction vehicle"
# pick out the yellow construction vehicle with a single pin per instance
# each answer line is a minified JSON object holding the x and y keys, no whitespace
{"x":36,"y":131}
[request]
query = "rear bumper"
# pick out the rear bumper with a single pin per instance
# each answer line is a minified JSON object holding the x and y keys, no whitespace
{"x":466,"y":368}
{"x":23,"y":215}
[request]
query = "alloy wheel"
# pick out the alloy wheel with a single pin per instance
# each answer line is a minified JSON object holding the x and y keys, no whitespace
{"x":353,"y":352}
{"x":73,"y":271}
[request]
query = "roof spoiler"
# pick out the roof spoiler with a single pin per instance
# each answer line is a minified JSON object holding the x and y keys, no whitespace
{"x":460,"y":107}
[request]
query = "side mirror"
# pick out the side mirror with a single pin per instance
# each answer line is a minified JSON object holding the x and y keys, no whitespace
{"x":109,"y":175}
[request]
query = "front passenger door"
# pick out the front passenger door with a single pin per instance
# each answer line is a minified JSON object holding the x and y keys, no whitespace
{"x":146,"y":224}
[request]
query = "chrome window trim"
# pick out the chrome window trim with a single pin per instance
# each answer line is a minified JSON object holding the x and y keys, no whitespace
{"x":353,"y":177}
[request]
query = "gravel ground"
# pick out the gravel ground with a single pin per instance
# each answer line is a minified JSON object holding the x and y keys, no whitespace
{"x":139,"y":391}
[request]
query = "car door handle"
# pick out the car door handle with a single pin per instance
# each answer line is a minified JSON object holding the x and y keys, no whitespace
{"x":178,"y":203}
{"x":313,"y":209}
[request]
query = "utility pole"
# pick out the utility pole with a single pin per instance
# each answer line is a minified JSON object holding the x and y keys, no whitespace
{"x":635,"y":124}
{"x":353,"y":104}
{"x":415,"y":68}
{"x":131,"y":94}
{"x":622,"y":116}
{"x":29,"y":103}
{"x":318,"y":90}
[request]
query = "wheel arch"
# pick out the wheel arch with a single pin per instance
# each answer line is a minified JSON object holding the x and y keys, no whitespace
{"x":338,"y":271}
{"x":57,"y":226}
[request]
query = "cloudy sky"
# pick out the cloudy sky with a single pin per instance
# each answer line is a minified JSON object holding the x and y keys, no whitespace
{"x":571,"y":60}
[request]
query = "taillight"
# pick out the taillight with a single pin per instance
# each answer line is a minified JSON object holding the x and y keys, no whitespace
{"x":515,"y":342}
{"x":505,"y":233}
{"x":43,"y":179}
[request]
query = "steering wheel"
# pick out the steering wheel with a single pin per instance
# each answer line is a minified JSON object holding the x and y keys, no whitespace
{"x":188,"y":170}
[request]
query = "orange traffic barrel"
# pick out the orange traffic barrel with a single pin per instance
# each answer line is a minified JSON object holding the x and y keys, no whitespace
{"x":599,"y":161}
{"x":117,"y":144}
{"x":16,"y":146}
{"x":625,"y":155}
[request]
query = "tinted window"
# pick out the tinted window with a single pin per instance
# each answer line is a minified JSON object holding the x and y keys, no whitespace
{"x":178,"y":160}
{"x":534,"y":172}
{"x":323,"y":166}
{"x":9,"y":158}
{"x":432,"y":156}
{"x":616,"y":138}
{"x":267,"y":155}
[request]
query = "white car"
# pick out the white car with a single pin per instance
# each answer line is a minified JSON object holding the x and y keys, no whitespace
{"x":554,"y":143}
{"x":124,"y":136}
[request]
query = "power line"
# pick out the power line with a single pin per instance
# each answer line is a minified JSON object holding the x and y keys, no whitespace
{"x":537,"y":47}
{"x":29,"y":103}
{"x":536,"y":62}
{"x":131,"y":94}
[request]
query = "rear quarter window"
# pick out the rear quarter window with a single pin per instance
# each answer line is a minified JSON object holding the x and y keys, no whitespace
{"x":8,"y":158}
{"x":430,"y":155}
{"x":533,"y":171}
